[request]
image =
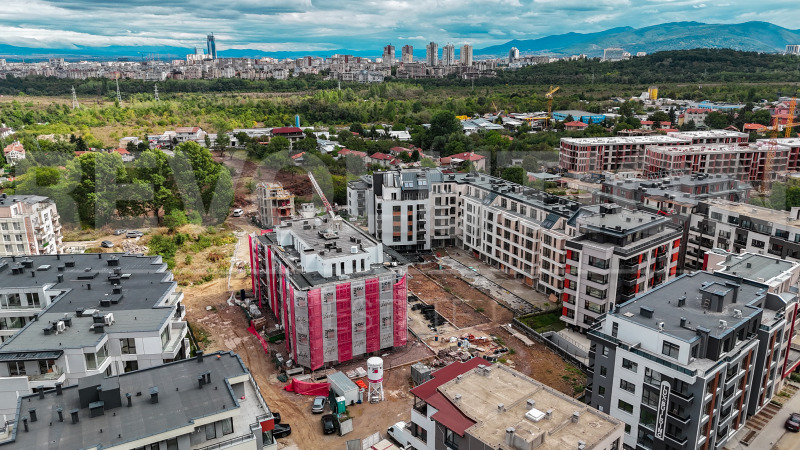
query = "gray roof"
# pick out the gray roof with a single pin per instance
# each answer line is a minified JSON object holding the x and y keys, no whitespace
{"x":754,"y":267}
{"x":180,"y":402}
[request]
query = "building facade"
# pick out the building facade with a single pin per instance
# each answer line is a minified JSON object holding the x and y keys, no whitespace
{"x":275,"y":204}
{"x":407,"y":54}
{"x":388,"y":55}
{"x":29,"y":225}
{"x":449,"y":55}
{"x":432,"y":54}
{"x":335,"y":290}
{"x":466,"y":55}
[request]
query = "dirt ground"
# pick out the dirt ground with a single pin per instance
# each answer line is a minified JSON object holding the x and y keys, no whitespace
{"x":449,"y":306}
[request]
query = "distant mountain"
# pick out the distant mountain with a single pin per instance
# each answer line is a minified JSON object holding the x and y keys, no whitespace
{"x":748,"y":36}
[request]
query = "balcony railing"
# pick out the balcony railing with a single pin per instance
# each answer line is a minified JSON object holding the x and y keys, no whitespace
{"x":49,"y":376}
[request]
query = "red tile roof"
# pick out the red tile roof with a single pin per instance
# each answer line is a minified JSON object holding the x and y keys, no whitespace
{"x":575,"y":123}
{"x":697,"y":111}
{"x":16,"y":146}
{"x":447,"y":414}
{"x":646,"y":122}
{"x":468,"y":156}
{"x":347,"y":151}
{"x":382,"y":156}
{"x":754,"y":126}
{"x":286,"y":130}
{"x":299,"y":155}
{"x":187,"y":129}
{"x":122,"y":151}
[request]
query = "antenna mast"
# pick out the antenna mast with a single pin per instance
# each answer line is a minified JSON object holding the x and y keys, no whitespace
{"x":119,"y":97}
{"x":75,"y":104}
{"x":157,"y":99}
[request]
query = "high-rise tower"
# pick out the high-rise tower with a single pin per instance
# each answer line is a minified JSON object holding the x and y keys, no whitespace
{"x":466,"y":55}
{"x":448,"y":55}
{"x":432,"y":55}
{"x":407,"y":54}
{"x":212,"y":46}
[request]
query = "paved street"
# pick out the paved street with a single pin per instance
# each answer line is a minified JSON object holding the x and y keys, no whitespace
{"x":773,"y":435}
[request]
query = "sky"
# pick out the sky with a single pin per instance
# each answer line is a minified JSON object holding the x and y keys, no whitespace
{"x":320,"y":25}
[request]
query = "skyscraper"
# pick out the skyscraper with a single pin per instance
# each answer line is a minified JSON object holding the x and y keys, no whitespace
{"x":407,"y":53}
{"x":388,"y":55}
{"x":466,"y":55}
{"x":448,"y":55}
{"x":513,"y":55}
{"x":212,"y":46}
{"x":432,"y":54}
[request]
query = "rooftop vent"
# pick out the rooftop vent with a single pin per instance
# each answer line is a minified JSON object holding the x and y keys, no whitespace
{"x":646,"y":311}
{"x":737,"y":313}
{"x":576,"y":416}
{"x":154,"y":395}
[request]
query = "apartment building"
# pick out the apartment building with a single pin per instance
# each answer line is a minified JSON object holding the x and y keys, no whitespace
{"x":616,"y":255}
{"x":653,"y":194}
{"x":477,"y":405}
{"x":684,"y":365}
{"x":338,"y":293}
{"x":275,"y":204}
{"x":29,"y":225}
{"x":398,"y":207}
{"x":739,"y":227}
{"x":66,"y":317}
{"x":357,"y":196}
{"x":745,"y":162}
{"x":628,"y":152}
{"x":204,"y":402}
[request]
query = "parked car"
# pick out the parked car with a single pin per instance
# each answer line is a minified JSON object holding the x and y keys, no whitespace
{"x":107,"y":244}
{"x":793,"y":422}
{"x":398,"y":433}
{"x":328,"y":424}
{"x":134,"y":234}
{"x":238,"y":212}
{"x":319,"y":404}
{"x":281,"y":430}
{"x":119,"y":232}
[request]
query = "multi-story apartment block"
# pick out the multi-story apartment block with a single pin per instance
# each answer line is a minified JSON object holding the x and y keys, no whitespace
{"x":275,"y":204}
{"x":475,"y":404}
{"x":407,"y":54}
{"x":617,"y":254}
{"x":29,"y":225}
{"x":466,"y":55}
{"x":72,"y":316}
{"x":399,"y":208}
{"x":206,"y":402}
{"x":449,"y":55}
{"x":685,"y":364}
{"x":388,"y":55}
{"x":432,"y":54}
{"x":337,"y":292}
{"x":745,"y":162}
{"x":652,"y":194}
{"x":357,"y":191}
{"x":740,"y":227}
{"x":627,"y":153}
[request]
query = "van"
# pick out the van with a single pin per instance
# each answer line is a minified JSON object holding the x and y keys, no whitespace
{"x":238,"y":212}
{"x":399,"y":434}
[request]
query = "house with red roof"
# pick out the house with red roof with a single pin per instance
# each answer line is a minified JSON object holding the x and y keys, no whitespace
{"x":457,"y":160}
{"x":124,"y":153}
{"x":698,"y":115}
{"x":194,"y":134}
{"x":381,"y":158}
{"x":575,"y":126}
{"x":754,"y":128}
{"x":293,"y":134}
{"x":14,"y":153}
{"x":298,"y":158}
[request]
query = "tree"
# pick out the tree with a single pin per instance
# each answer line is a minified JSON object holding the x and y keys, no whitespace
{"x":223,"y":141}
{"x":530,"y":163}
{"x":515,"y":174}
{"x":659,"y":116}
{"x":354,"y":165}
{"x":716,"y":120}
{"x":427,"y":162}
{"x":175,"y":219}
{"x":444,"y":123}
{"x":278,"y":144}
{"x":415,"y":155}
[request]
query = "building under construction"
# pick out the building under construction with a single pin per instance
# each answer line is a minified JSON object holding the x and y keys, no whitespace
{"x":338,"y":293}
{"x":275,"y":204}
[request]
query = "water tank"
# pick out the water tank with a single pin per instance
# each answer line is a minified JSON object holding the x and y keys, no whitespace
{"x":375,"y":369}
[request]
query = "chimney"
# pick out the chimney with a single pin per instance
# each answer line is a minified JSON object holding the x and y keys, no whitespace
{"x":128,"y":396}
{"x":510,"y":436}
{"x":575,"y":416}
{"x":60,"y":277}
{"x":458,"y":378}
{"x":154,"y":395}
{"x":530,"y":403}
{"x":683,"y":322}
{"x":89,"y":286}
{"x":201,"y":380}
{"x":25,"y":423}
{"x":74,"y":414}
{"x":549,"y":414}
{"x":208,"y":377}
{"x":60,"y":412}
{"x":199,"y":355}
{"x":41,"y":391}
{"x":32,"y":412}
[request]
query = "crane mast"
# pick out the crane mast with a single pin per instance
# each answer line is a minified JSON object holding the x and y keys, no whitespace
{"x":314,"y":183}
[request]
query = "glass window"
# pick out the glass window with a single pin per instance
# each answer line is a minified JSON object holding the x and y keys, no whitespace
{"x":625,"y":406}
{"x":172,"y":444}
{"x":615,"y":330}
{"x":128,"y":346}
{"x":33,"y":299}
{"x":211,"y":431}
{"x":630,"y":365}
{"x":630,"y":387}
{"x":670,"y":349}
{"x":91,"y":361}
{"x":16,"y":369}
{"x":603,"y":371}
{"x":165,"y":337}
{"x":601,"y":390}
{"x":227,"y":426}
{"x":450,"y":439}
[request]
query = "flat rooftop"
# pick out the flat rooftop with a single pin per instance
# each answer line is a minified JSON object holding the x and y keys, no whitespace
{"x":713,"y":148}
{"x":775,"y":216}
{"x":481,"y":394}
{"x":319,"y":231}
{"x":180,"y":402}
{"x":707,"y":134}
{"x":756,"y":267}
{"x":650,"y":139}
{"x":627,"y":220}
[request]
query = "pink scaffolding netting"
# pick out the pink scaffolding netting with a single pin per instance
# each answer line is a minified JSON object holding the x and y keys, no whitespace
{"x":373,"y":316}
{"x":400,"y":311}
{"x":308,"y":388}
{"x":344,"y":329}
{"x":315,"y":337}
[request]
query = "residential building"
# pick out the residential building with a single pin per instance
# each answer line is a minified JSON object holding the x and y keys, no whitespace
{"x":739,"y":228}
{"x":407,"y":54}
{"x":13,"y":153}
{"x":711,"y":137}
{"x":696,"y":115}
{"x":205,"y":402}
{"x":123,"y":153}
{"x":194,"y":134}
{"x":29,"y":225}
{"x":293,"y":134}
{"x":475,"y":404}
{"x":792,"y":49}
{"x":357,"y":197}
{"x":613,"y":54}
{"x":66,"y":317}
{"x":616,"y":255}
{"x":388,"y":55}
{"x":513,"y":55}
{"x":432,"y":54}
{"x":478,"y":161}
{"x":275,"y":204}
{"x":338,"y":293}
{"x":466,"y":55}
{"x":449,"y":55}
{"x":399,"y":206}
{"x":684,"y":365}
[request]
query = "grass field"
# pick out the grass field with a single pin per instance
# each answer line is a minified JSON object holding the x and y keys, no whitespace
{"x":549,"y":321}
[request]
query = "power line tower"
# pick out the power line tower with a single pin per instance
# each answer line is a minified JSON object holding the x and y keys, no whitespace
{"x":75,"y":104}
{"x":156,"y":97}
{"x":119,"y":97}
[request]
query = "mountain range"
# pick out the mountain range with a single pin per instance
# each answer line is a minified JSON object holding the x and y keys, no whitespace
{"x":747,"y":36}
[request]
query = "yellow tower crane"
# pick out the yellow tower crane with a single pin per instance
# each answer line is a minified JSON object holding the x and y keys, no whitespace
{"x":790,"y":119}
{"x":549,"y":97}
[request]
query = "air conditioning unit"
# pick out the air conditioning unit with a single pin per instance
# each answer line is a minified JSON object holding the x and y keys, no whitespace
{"x":108,"y":319}
{"x":60,"y":326}
{"x":660,"y":326}
{"x":723,"y":323}
{"x":737,"y":313}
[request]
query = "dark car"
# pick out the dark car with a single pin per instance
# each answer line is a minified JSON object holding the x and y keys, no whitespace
{"x":793,"y":422}
{"x":328,"y":424}
{"x":107,"y":244}
{"x":276,"y":416}
{"x":281,"y":430}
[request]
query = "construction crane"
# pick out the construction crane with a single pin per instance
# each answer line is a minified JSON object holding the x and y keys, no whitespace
{"x":328,"y":207}
{"x":549,"y":97}
{"x":772,"y":147}
{"x":790,"y":120}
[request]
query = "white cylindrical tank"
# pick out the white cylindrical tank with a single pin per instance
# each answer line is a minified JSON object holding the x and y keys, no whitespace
{"x":375,"y":369}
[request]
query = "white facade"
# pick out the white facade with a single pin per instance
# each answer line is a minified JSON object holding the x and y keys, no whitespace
{"x":29,"y":225}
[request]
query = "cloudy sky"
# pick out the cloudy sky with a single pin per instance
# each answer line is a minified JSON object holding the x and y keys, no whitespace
{"x":277,"y":25}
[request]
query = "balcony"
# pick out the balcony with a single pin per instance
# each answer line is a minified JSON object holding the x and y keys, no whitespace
{"x":177,"y":333}
{"x":49,"y":379}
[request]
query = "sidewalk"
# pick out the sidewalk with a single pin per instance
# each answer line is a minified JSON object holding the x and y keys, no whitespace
{"x":772,"y":432}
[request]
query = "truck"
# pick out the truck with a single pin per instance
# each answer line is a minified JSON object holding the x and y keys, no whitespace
{"x":399,"y":433}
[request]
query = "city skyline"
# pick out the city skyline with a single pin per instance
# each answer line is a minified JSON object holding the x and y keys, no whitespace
{"x":327,"y":25}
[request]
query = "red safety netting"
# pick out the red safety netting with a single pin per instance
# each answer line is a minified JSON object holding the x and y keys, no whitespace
{"x":255,"y":333}
{"x":373,"y":315}
{"x":315,"y":337}
{"x":253,"y":267}
{"x":400,"y":311}
{"x":344,"y":327}
{"x":257,"y":285}
{"x":292,"y":332}
{"x":273,"y":294}
{"x":287,"y":311}
{"x":308,"y":388}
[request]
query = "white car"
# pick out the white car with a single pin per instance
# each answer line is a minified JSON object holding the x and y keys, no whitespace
{"x":238,"y":212}
{"x":398,"y":433}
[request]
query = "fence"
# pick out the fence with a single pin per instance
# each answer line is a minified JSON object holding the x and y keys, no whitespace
{"x":552,"y":346}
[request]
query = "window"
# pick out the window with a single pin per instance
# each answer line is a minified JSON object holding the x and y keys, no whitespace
{"x":601,"y":391}
{"x":603,"y":371}
{"x":450,"y":439}
{"x":395,"y":209}
{"x":16,"y":369}
{"x":227,"y":426}
{"x":172,"y":444}
{"x":165,"y":336}
{"x":650,"y":398}
{"x":128,"y":346}
{"x":716,"y":216}
{"x":630,"y":365}
{"x":652,"y":377}
{"x":211,"y":431}
{"x":130,"y":366}
{"x":670,"y":349}
{"x":33,"y":300}
{"x":647,"y":418}
{"x":630,"y":387}
{"x":625,"y":406}
{"x":615,"y":330}
{"x":757,"y":244}
{"x":627,"y":429}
